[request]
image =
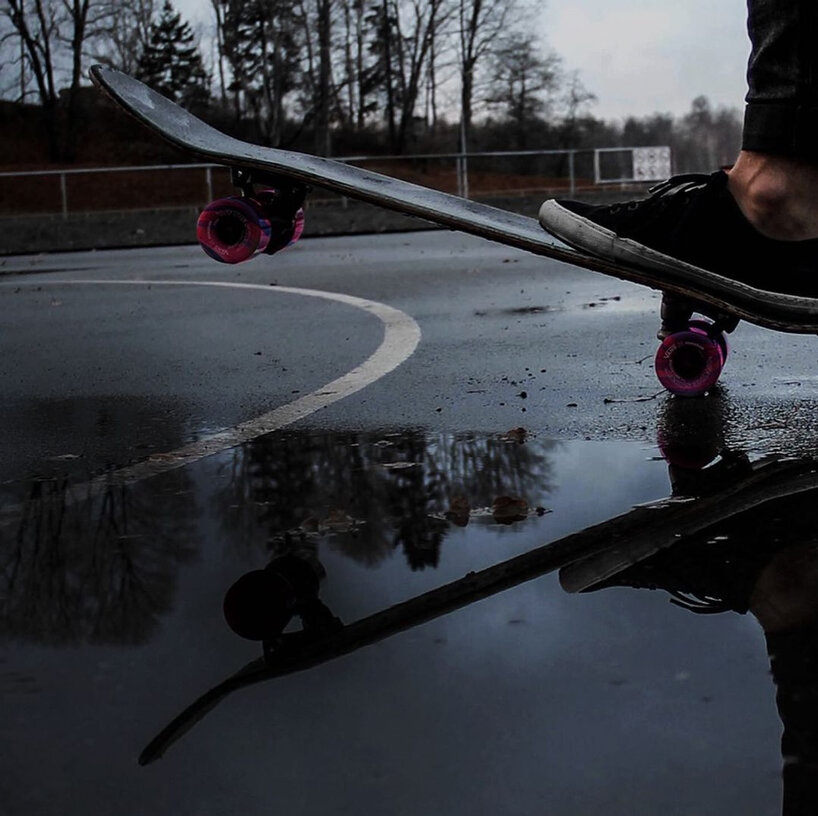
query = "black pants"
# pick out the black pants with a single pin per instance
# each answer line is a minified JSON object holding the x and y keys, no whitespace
{"x":782,"y":103}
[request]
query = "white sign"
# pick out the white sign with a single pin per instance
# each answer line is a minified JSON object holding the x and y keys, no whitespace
{"x":651,"y":163}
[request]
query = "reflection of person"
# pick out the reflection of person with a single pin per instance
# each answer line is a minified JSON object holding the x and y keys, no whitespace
{"x":785,"y":602}
{"x":764,"y":560}
{"x":771,"y":570}
{"x":757,"y":224}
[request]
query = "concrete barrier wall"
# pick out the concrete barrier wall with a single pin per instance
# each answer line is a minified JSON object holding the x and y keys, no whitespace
{"x":139,"y":228}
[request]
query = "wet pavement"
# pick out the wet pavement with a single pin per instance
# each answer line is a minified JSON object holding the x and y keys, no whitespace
{"x":569,"y":609}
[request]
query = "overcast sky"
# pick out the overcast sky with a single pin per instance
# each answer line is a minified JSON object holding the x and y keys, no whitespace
{"x":637,"y":56}
{"x":641,"y":56}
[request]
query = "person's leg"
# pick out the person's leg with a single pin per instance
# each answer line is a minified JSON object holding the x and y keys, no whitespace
{"x":777,"y":194}
{"x":781,"y":115}
{"x":775,"y":179}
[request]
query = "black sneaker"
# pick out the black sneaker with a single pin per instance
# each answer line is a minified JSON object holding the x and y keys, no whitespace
{"x":689,"y":229}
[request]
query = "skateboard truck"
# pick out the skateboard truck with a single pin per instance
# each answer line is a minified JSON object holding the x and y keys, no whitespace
{"x":694,"y":349}
{"x":237,"y":228}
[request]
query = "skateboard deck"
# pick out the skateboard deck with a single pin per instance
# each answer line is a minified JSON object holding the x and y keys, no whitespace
{"x":722,"y":301}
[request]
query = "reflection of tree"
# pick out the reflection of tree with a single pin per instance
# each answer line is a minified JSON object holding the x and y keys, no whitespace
{"x":371,"y":494}
{"x":100,"y":569}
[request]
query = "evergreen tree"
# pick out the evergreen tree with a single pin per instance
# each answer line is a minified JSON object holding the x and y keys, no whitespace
{"x":171,"y":62}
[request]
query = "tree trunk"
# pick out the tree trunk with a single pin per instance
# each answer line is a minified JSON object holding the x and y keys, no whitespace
{"x":359,"y":56}
{"x":390,"y":90}
{"x":322,"y":134}
{"x":219,"y":14}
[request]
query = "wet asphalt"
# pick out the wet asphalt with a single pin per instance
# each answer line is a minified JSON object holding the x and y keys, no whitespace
{"x":527,"y":415}
{"x":508,"y":340}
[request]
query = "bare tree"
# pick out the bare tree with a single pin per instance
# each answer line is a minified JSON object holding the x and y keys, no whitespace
{"x":707,"y":138}
{"x":124,"y":38}
{"x":576,"y":101}
{"x":438,"y":40}
{"x":53,"y":36}
{"x":218,"y":31}
{"x":523,"y":82}
{"x":418,"y":26}
{"x":352,"y":101}
{"x":322,"y":101}
{"x":318,"y":88}
{"x":37,"y":28}
{"x":384,"y":18}
{"x":482,"y":25}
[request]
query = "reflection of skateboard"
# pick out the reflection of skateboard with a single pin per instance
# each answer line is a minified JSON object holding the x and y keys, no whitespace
{"x":268,"y":216}
{"x":584,"y":559}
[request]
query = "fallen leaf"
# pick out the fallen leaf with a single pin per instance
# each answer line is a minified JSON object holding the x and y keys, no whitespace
{"x":508,"y":509}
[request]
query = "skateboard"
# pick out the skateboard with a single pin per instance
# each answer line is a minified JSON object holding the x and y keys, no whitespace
{"x":268,"y":216}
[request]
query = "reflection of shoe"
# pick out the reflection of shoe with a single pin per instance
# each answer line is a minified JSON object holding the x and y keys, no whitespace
{"x":691,"y":229}
{"x":707,"y":554}
{"x":702,"y":578}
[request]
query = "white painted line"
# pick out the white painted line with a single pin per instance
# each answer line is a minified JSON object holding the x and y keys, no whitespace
{"x":400,"y":339}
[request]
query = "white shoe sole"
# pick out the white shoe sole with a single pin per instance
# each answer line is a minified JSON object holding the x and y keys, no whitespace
{"x":587,"y":236}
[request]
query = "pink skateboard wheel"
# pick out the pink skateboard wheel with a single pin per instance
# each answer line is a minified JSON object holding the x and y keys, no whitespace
{"x":233,"y":229}
{"x":688,"y":363}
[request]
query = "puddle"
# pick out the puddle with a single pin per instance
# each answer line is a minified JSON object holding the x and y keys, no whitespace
{"x":450,"y":623}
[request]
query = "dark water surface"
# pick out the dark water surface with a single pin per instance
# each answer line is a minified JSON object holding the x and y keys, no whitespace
{"x":542,"y":699}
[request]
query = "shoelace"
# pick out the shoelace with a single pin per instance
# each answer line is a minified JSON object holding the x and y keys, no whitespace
{"x":704,"y":605}
{"x":684,"y":183}
{"x":664,"y":192}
